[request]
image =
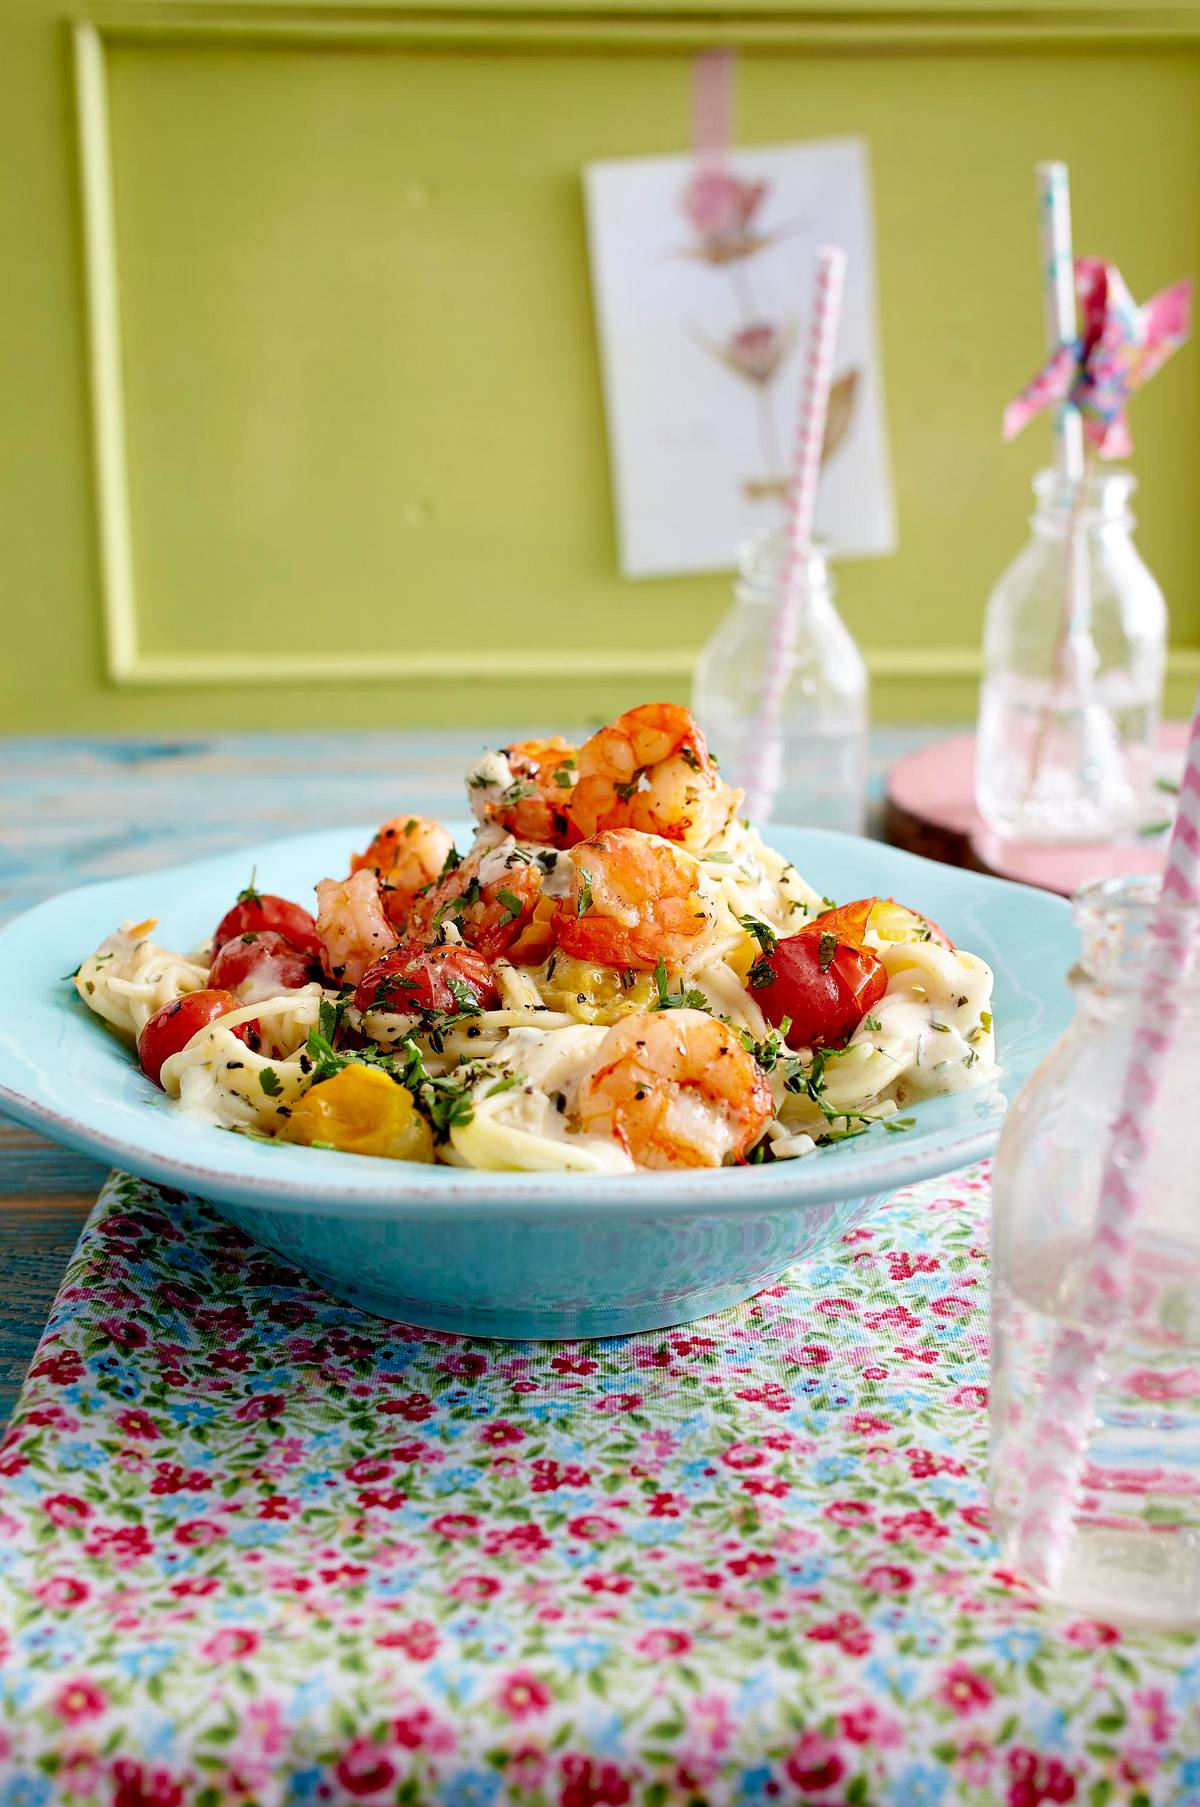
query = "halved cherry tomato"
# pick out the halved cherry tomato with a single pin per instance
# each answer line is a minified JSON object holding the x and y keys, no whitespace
{"x":173,"y":1027}
{"x":410,"y":979}
{"x":361,"y":1111}
{"x":255,"y":911}
{"x":823,"y":978}
{"x":260,"y":964}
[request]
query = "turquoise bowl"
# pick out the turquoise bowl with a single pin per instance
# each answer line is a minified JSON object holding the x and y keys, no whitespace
{"x":511,"y":1254}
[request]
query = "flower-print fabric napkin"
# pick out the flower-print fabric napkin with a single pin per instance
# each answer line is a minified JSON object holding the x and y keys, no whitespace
{"x":258,"y":1547}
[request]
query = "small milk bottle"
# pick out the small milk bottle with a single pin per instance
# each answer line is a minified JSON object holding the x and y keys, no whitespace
{"x":825,"y":707}
{"x":1074,"y":650}
{"x":1119,"y":1488}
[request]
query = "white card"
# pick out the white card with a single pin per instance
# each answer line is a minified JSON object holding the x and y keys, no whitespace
{"x":699,"y":450}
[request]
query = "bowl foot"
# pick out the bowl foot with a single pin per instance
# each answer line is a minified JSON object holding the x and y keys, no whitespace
{"x":548,"y":1281}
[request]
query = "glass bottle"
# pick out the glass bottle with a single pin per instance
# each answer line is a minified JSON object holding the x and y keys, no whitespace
{"x":1074,"y":650}
{"x":1130,"y":1548}
{"x":825,"y":708}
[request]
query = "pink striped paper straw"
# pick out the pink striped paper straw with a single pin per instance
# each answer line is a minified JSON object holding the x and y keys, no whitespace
{"x":1061,"y":318}
{"x":1066,"y":1412}
{"x":1058,"y":303}
{"x":767,"y":760}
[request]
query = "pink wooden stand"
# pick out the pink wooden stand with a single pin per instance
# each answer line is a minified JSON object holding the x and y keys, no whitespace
{"x":931,"y":810}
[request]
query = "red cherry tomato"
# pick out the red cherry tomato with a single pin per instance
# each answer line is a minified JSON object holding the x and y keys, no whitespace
{"x":255,"y":911}
{"x":824,"y":979}
{"x":411,"y":979}
{"x":172,"y":1027}
{"x":260,"y":965}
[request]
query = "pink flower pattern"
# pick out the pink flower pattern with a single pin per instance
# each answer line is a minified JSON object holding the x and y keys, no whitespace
{"x":280,"y":1552}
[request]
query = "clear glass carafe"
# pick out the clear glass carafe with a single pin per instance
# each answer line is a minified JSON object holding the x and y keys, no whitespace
{"x":1074,"y":650}
{"x":1129,"y":1500}
{"x":825,"y":707}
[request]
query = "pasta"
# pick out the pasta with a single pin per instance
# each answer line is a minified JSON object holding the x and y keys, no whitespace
{"x":618,"y":974}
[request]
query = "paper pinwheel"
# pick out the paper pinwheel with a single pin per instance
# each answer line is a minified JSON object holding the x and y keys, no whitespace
{"x":1119,"y":348}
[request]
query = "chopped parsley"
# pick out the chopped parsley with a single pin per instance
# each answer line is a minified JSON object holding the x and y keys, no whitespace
{"x":763,"y":933}
{"x":505,"y":1084}
{"x":690,"y":757}
{"x":512,"y":905}
{"x":873,"y":1023}
{"x":827,"y":947}
{"x":896,"y":1125}
{"x":809,"y":1081}
{"x":760,"y":974}
{"x":772,"y":1049}
{"x":464,"y":997}
{"x":446,"y":1102}
{"x":684,"y":999}
{"x":268,"y":1079}
{"x":583,"y":902}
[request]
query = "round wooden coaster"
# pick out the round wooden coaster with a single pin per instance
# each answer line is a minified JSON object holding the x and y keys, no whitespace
{"x":930,"y":810}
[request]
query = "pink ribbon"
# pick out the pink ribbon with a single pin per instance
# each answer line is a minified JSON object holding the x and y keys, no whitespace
{"x":719,"y":207}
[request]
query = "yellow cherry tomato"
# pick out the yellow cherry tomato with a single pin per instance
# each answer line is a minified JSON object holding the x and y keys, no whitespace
{"x":595,"y":994}
{"x":892,"y":921}
{"x":361,"y":1111}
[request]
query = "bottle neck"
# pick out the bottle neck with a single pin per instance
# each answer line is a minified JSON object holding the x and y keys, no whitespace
{"x":767,"y":563}
{"x":1134,"y":946}
{"x":1098,"y":503}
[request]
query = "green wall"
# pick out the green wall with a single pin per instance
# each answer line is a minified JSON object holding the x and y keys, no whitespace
{"x":302,"y":417}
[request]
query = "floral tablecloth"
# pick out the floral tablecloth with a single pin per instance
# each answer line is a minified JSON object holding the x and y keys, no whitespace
{"x":260,"y":1548}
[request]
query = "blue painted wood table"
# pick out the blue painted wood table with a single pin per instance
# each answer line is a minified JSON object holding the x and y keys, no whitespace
{"x":73,"y":811}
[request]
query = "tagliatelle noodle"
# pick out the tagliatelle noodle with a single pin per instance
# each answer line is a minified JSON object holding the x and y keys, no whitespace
{"x":130,"y":978}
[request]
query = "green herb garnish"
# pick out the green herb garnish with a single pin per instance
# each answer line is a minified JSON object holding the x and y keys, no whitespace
{"x":689,"y":999}
{"x":512,"y":905}
{"x":763,"y":933}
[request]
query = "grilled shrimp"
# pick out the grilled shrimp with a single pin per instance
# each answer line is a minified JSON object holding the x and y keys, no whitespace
{"x":351,"y":923}
{"x":677,"y":1089}
{"x":651,"y":770}
{"x":635,"y":900}
{"x":489,"y":899}
{"x":407,"y":854}
{"x":526,"y":788}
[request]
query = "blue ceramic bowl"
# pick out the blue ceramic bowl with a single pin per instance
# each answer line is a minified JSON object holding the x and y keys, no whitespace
{"x":510,"y":1254}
